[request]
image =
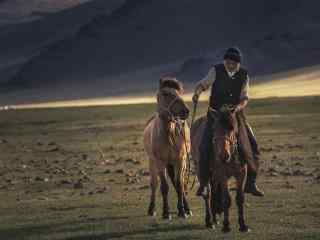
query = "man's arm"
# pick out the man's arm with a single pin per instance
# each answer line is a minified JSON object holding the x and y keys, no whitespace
{"x":204,"y":84}
{"x":244,"y":95}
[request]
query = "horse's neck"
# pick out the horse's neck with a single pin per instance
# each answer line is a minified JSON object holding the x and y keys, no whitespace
{"x":163,"y":129}
{"x":167,"y":130}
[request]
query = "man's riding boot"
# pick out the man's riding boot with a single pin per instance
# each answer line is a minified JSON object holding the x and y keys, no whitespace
{"x":251,"y":185}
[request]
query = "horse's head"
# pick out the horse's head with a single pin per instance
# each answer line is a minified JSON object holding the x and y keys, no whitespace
{"x":170,"y":103}
{"x":224,"y":132}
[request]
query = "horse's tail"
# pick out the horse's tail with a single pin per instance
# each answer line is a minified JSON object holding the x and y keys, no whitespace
{"x":217,"y":199}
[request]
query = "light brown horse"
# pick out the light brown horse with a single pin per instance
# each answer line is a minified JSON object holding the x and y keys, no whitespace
{"x":225,"y":163}
{"x":167,"y":143}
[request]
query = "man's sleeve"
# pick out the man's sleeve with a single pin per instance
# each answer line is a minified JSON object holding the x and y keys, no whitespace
{"x":244,"y":95}
{"x":206,"y":82}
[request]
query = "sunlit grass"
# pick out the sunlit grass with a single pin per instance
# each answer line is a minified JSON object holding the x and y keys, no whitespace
{"x":300,"y":82}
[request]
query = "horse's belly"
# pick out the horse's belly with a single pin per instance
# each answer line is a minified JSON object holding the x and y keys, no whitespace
{"x":235,"y":170}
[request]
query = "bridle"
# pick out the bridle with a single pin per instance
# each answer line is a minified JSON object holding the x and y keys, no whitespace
{"x":169,"y":106}
{"x":179,"y":123}
{"x":232,"y":141}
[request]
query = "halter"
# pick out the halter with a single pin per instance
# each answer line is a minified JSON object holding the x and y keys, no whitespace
{"x":168,"y":107}
{"x":230,"y":140}
{"x":179,"y":125}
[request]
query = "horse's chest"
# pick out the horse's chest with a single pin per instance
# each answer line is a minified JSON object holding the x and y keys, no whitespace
{"x":228,"y":170}
{"x":170,"y":153}
{"x":234,"y":169}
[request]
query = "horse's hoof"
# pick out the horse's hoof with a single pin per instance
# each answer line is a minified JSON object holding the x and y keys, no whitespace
{"x":152,"y":213}
{"x":182,"y":215}
{"x":244,"y":229}
{"x":216,"y":223}
{"x":226,"y":229}
{"x":189,"y":213}
{"x":167,"y":217}
{"x":210,"y":226}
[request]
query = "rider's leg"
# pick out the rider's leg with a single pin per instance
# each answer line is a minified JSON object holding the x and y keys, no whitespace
{"x":253,"y":142}
{"x":251,"y":184}
{"x":204,"y":164}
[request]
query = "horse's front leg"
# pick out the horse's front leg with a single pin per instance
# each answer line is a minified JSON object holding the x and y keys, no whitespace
{"x":153,"y":186}
{"x":164,"y":187}
{"x":208,"y":206}
{"x":171,"y":173}
{"x":181,"y":195}
{"x":226,"y":206}
{"x":215,"y":201}
{"x":186,"y":206}
{"x":240,"y":201}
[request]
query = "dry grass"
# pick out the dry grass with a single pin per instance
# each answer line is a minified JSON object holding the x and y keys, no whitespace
{"x":55,"y":184}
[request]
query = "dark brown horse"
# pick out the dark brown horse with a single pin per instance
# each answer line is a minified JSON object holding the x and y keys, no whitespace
{"x":225,"y":163}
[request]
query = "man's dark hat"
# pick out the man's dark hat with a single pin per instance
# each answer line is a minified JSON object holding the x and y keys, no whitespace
{"x":234,"y":54}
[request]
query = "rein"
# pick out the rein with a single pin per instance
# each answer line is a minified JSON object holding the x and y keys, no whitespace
{"x":182,"y":133}
{"x":232,"y":140}
{"x":195,"y":105}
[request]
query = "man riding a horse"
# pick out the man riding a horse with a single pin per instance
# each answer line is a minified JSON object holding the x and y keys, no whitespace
{"x":229,"y":84}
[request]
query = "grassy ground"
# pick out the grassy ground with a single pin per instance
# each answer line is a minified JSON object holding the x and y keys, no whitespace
{"x":81,"y":173}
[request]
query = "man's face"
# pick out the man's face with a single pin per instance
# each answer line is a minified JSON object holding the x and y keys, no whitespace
{"x":231,"y":66}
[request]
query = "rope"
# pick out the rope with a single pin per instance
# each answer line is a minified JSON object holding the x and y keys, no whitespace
{"x":195,"y":105}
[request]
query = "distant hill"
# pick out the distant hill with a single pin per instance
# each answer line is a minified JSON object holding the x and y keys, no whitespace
{"x":37,"y":24}
{"x":17,"y":11}
{"x":128,"y":49}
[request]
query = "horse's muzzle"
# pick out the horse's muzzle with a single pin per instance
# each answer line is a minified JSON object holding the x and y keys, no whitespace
{"x":225,"y":157}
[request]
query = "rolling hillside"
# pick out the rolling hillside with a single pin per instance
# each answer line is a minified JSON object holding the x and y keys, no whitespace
{"x":126,"y":50}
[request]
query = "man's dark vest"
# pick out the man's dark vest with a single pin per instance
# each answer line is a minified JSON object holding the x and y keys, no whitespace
{"x":225,"y":89}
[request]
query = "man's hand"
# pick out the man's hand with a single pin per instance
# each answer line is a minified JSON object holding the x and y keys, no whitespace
{"x":195,"y":98}
{"x":241,"y":106}
{"x":238,"y":108}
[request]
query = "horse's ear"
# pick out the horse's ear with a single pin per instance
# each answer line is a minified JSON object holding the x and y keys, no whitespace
{"x":160,"y":82}
{"x":213,"y":113}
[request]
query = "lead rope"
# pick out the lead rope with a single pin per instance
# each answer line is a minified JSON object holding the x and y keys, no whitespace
{"x":182,"y":133}
{"x":195,"y":105}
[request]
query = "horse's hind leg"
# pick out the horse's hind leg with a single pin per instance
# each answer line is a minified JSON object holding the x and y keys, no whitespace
{"x":185,"y":202}
{"x":164,"y":187}
{"x":154,"y":186}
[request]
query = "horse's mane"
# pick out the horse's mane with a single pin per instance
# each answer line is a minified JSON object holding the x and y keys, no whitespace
{"x":172,"y":83}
